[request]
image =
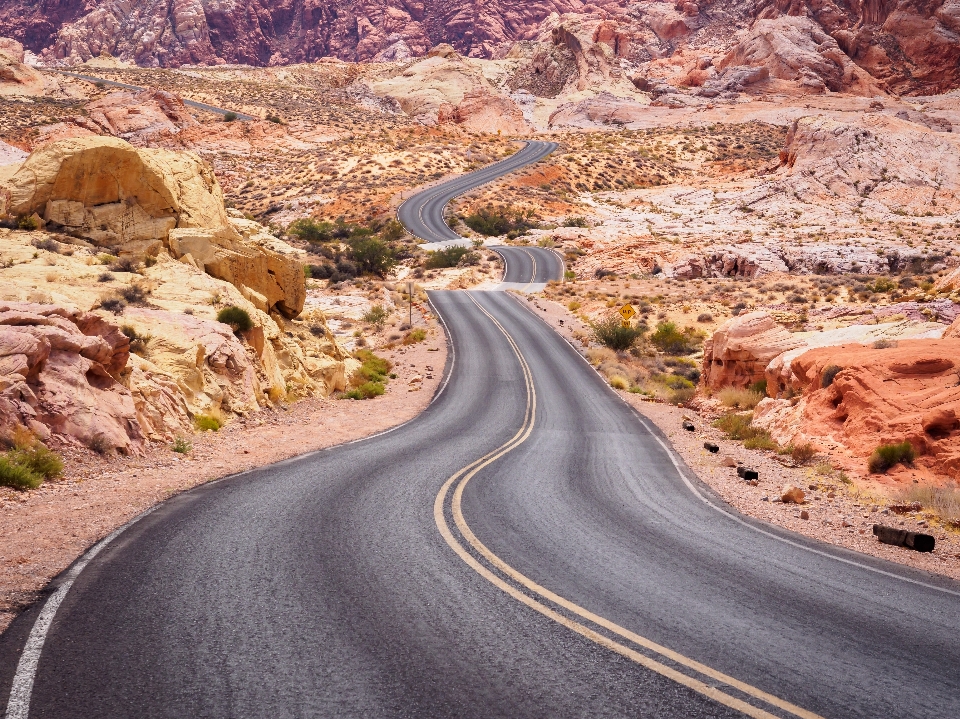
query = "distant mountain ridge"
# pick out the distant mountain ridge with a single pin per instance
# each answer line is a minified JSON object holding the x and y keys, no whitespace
{"x":902,"y":46}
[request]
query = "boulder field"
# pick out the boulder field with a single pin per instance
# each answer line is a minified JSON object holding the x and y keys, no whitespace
{"x":115,"y":359}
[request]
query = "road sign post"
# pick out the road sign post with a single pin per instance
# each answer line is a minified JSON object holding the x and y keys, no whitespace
{"x":410,"y":296}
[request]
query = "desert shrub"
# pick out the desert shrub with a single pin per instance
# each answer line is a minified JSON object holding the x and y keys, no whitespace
{"x":311,"y":230}
{"x":674,"y":381}
{"x":372,"y":368}
{"x":760,"y":440}
{"x":376,"y":316}
{"x":133,"y":294}
{"x":575,"y":222}
{"x":738,"y":426}
{"x":17,"y":476}
{"x":883,"y":344}
{"x":829,"y":374}
{"x":670,"y":339}
{"x":27,"y":222}
{"x":125,"y":264}
{"x":47,"y":244}
{"x":943,"y":501}
{"x":446,"y":257}
{"x":274,"y":119}
{"x":619,"y":382}
{"x":372,"y":255}
{"x":115,"y":305}
{"x":38,"y":459}
{"x":887,"y":455}
{"x":237,"y":317}
{"x":739,"y":398}
{"x":495,"y":221}
{"x":105,"y":277}
{"x":229,"y":116}
{"x":704,"y":317}
{"x":100,"y":444}
{"x":207,"y":423}
{"x":573,"y":305}
{"x":802,"y":453}
{"x":415,"y":335}
{"x":681,"y":396}
{"x":138,"y":342}
{"x":367,"y":390}
{"x":181,"y":445}
{"x":611,"y":333}
{"x":760,"y":387}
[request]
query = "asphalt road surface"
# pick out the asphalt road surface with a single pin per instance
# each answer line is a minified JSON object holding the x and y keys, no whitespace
{"x":527,"y":547}
{"x":137,"y":88}
{"x":422,"y":214}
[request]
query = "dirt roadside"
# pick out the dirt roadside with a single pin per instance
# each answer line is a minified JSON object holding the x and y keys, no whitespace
{"x":838,"y":513}
{"x":43,"y":531}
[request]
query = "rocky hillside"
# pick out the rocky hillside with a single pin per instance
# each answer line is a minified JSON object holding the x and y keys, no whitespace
{"x":903,"y":46}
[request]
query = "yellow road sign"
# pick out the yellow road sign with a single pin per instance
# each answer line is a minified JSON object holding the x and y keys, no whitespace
{"x":627,"y":312}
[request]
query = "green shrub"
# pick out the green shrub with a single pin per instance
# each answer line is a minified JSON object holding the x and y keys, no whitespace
{"x":311,"y":230}
{"x":368,"y":390}
{"x":495,"y":221}
{"x":611,"y":333}
{"x":39,"y":460}
{"x":229,"y":116}
{"x":376,"y":316}
{"x":372,"y":367}
{"x":674,"y":381}
{"x":372,"y":255}
{"x":738,"y":426}
{"x":181,"y":445}
{"x":446,"y":257}
{"x":760,"y":387}
{"x":18,"y":476}
{"x":828,"y":375}
{"x":573,"y":305}
{"x":27,"y":222}
{"x":207,"y":423}
{"x":887,"y":455}
{"x":415,"y":335}
{"x":670,"y":339}
{"x":237,"y":317}
{"x":739,"y":398}
{"x":575,"y":222}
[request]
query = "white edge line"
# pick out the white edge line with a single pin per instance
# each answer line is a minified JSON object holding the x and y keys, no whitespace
{"x":18,"y":705}
{"x":683,"y":475}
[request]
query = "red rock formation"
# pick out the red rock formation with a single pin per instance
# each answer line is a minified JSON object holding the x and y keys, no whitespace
{"x":258,"y":32}
{"x":881,"y":396}
{"x":739,"y":351}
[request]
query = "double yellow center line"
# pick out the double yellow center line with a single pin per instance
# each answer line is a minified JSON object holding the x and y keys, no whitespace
{"x":544,"y":598}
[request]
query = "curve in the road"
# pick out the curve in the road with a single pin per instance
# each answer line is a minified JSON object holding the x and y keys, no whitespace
{"x":423,"y":213}
{"x":137,"y":88}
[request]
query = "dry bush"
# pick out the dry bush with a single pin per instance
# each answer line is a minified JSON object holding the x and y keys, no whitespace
{"x":740,"y":398}
{"x":942,"y":501}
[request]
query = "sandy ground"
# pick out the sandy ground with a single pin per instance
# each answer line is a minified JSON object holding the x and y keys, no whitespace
{"x":43,"y":531}
{"x":839,"y":513}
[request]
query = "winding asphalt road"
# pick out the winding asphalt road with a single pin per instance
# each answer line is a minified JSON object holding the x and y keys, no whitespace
{"x":529,"y":546}
{"x":422,"y":214}
{"x":137,"y":88}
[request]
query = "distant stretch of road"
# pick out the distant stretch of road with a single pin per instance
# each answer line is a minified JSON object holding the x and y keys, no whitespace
{"x":422,"y":214}
{"x":137,"y":88}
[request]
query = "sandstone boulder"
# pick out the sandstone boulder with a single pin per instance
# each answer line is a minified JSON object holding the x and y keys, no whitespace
{"x":140,"y":115}
{"x":738,"y":353}
{"x":792,"y":495}
{"x":109,"y":177}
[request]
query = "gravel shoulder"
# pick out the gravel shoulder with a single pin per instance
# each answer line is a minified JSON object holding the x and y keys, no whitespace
{"x":839,"y":514}
{"x":43,"y":531}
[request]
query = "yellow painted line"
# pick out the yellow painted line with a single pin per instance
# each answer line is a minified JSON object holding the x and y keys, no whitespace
{"x":468,"y":472}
